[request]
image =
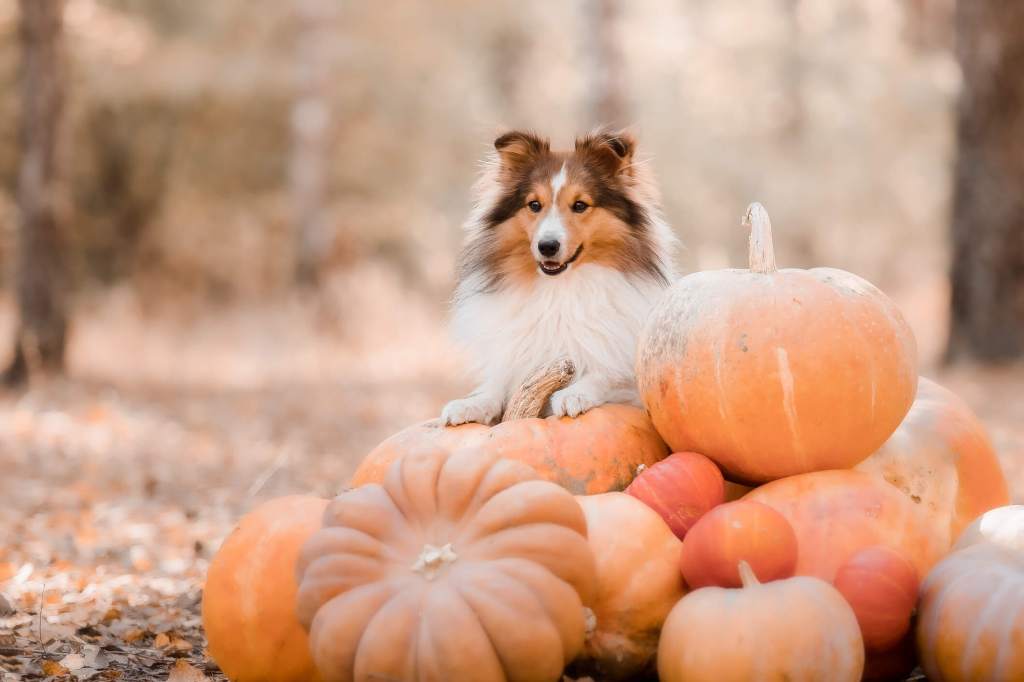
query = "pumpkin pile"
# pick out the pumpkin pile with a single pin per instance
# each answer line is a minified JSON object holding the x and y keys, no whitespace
{"x":825,"y":515}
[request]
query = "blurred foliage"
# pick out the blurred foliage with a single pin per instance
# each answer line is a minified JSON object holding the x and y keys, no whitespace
{"x":837,"y":114}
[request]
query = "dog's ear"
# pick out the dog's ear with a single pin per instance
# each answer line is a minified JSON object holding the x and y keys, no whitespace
{"x":613,"y":150}
{"x":517,"y":148}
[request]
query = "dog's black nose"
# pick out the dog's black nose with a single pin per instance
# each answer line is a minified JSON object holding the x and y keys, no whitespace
{"x":548,"y":247}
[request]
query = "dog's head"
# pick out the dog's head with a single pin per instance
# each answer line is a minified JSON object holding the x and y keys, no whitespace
{"x":547,"y":212}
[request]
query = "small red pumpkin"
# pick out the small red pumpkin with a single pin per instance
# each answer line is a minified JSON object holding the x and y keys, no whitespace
{"x":880,"y":585}
{"x":681,"y":488}
{"x":734,"y":532}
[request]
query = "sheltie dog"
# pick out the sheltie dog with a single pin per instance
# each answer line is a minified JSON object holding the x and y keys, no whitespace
{"x":566,"y":253}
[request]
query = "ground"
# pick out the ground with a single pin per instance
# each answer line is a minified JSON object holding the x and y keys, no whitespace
{"x":116,"y":492}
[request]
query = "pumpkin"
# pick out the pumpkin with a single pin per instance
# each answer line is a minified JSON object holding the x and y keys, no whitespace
{"x":638,"y":583}
{"x":880,"y":584}
{"x":799,"y":629}
{"x":681,"y":488}
{"x":249,"y":598}
{"x":1003,"y":526}
{"x":596,"y":452}
{"x":734,"y":532}
{"x":734,"y":491}
{"x":772,"y":373}
{"x":837,"y":513}
{"x":460,"y":566}
{"x":941,"y":457}
{"x":970,"y":623}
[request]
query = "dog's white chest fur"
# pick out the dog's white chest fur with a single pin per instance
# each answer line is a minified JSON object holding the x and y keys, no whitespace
{"x":591,"y":314}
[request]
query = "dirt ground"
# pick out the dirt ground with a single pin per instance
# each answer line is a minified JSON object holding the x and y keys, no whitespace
{"x":116,"y":492}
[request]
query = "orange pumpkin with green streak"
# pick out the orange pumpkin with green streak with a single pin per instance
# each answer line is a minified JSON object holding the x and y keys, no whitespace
{"x":597,"y":452}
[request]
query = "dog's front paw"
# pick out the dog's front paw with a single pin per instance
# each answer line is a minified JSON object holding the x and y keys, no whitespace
{"x":573,"y":401}
{"x":479,"y":409}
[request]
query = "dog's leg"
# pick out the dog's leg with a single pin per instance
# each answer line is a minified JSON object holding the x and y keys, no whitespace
{"x":584,"y":393}
{"x":484,"y":406}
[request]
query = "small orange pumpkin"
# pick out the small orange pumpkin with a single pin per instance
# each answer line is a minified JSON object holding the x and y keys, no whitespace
{"x":597,"y":452}
{"x":837,"y":513}
{"x":249,"y":598}
{"x":1003,"y":526}
{"x":772,"y":373}
{"x":681,"y":488}
{"x":460,"y":566}
{"x":941,"y":457}
{"x":970,"y":622}
{"x":799,"y":629}
{"x":733,"y":532}
{"x":637,"y":584}
{"x":880,"y":584}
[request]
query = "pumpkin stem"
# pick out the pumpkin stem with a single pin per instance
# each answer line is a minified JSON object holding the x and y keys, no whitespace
{"x":747,"y":576}
{"x":432,"y":559}
{"x":528,"y":401}
{"x":762,"y":251}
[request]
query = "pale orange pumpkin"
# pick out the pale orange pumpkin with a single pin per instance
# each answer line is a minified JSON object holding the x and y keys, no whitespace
{"x":681,"y":488}
{"x":637,"y":584}
{"x":249,"y":598}
{"x":799,"y":629}
{"x":772,"y":372}
{"x":837,"y":513}
{"x":880,"y":584}
{"x":733,"y":532}
{"x":1003,"y":526}
{"x":458,"y":567}
{"x":941,"y":457}
{"x":970,"y":623}
{"x":597,"y":452}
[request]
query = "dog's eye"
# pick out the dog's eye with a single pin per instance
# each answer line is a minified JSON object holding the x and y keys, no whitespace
{"x":579,"y":207}
{"x":534,"y":206}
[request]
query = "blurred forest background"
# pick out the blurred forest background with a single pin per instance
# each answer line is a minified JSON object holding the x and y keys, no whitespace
{"x":242,"y":218}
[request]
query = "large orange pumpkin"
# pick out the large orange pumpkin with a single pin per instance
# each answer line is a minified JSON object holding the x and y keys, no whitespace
{"x":637,"y":584}
{"x":733,"y":532}
{"x":681,"y":488}
{"x":941,"y":457}
{"x":970,"y":624}
{"x":799,"y":629}
{"x":249,"y":598}
{"x":772,"y":372}
{"x":837,"y":513}
{"x":458,"y":567}
{"x":596,"y":452}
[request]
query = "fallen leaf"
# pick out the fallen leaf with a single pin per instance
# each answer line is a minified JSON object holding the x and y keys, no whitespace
{"x":5,"y":607}
{"x":183,"y":672}
{"x":162,"y":641}
{"x":133,"y":635}
{"x":112,"y":614}
{"x":73,"y":662}
{"x":53,"y":668}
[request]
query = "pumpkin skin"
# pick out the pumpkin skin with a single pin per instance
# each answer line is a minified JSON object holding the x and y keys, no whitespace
{"x":722,"y":634}
{"x":880,"y":584}
{"x":637,"y":584}
{"x":734,"y":532}
{"x":837,"y":513}
{"x":596,"y":452}
{"x":970,"y":623}
{"x":433,"y":575}
{"x":1003,"y":526}
{"x":249,"y":597}
{"x":942,"y":459}
{"x":681,"y":488}
{"x":772,"y":373}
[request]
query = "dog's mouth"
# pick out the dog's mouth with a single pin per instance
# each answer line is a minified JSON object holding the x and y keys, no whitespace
{"x":552,"y":268}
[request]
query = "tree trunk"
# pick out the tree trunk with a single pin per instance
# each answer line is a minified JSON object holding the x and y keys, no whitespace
{"x":41,"y":277}
{"x":607,"y":88}
{"x":310,"y":122}
{"x":987,"y":321}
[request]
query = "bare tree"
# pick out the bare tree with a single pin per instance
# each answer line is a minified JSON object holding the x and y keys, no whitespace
{"x":607,"y":88}
{"x":988,"y":202}
{"x":41,"y":277}
{"x":311,"y":132}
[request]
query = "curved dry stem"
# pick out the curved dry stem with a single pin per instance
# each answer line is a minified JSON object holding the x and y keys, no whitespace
{"x":762,"y":250}
{"x":529,"y":400}
{"x":747,"y":576}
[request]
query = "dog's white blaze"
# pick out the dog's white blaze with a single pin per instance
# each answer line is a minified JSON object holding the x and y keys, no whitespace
{"x":591,"y":314}
{"x":556,"y":185}
{"x":551,"y":226}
